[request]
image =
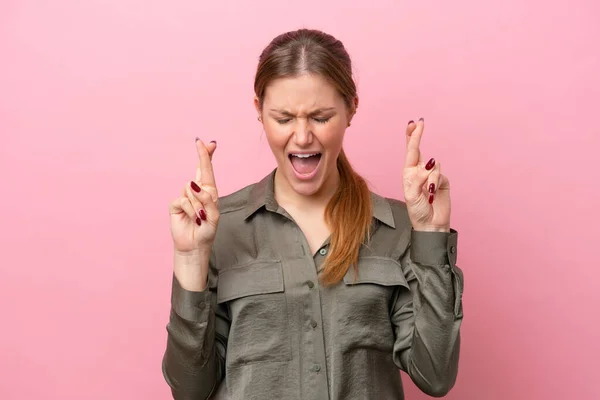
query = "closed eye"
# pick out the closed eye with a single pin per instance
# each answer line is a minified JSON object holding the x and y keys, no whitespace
{"x":283,"y":121}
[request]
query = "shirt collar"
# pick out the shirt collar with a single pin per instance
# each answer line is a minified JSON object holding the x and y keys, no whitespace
{"x":262,"y":194}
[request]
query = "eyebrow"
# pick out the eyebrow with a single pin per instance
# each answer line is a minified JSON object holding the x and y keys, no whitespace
{"x":317,"y":111}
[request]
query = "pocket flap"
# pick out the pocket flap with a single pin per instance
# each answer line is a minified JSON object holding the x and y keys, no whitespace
{"x":378,"y":270}
{"x":259,"y":277}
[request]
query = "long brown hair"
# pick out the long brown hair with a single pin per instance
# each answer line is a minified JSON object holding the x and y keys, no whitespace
{"x":348,"y":214}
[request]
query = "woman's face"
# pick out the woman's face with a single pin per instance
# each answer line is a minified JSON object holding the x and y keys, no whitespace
{"x":304,"y":120}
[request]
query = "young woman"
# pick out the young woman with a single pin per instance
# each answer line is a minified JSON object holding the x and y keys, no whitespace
{"x":312,"y":287}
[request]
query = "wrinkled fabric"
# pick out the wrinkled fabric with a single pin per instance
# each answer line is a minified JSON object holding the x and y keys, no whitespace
{"x":265,"y":328}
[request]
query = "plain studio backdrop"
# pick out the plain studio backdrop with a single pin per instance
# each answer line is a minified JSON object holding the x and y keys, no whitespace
{"x":100,"y":102}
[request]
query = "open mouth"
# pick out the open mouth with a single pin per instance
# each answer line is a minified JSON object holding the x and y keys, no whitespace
{"x":305,"y":165}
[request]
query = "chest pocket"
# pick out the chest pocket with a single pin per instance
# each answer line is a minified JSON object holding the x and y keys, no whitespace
{"x":255,"y":295}
{"x":365,"y":299}
{"x":382,"y":271}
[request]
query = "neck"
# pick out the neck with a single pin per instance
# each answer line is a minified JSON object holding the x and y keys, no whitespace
{"x":285,"y":194}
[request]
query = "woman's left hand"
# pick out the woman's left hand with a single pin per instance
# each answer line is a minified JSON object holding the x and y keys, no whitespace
{"x":426,"y":190}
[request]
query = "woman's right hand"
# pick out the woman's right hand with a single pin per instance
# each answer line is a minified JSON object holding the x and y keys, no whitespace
{"x":195,"y":214}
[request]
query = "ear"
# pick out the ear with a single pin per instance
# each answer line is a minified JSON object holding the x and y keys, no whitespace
{"x":353,"y":110}
{"x":257,"y":105}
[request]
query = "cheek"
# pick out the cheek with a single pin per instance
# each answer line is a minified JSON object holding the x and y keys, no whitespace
{"x":276,"y":136}
{"x":332,"y":137}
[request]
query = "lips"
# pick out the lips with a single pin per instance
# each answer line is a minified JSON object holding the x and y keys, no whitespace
{"x":305,"y":164}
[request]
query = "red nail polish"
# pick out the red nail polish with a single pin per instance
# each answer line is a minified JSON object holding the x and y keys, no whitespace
{"x":430,"y":198}
{"x":198,"y":221}
{"x":430,"y":164}
{"x":203,"y":215}
{"x":213,"y":141}
{"x":432,"y":188}
{"x":411,"y":122}
{"x":422,"y":119}
{"x":197,"y":138}
{"x":195,"y":187}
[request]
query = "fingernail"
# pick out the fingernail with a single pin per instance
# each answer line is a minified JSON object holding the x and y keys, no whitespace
{"x":195,"y":187}
{"x":432,"y":188}
{"x":422,"y":119}
{"x":213,"y":141}
{"x":411,"y":122}
{"x":197,"y":138}
{"x":430,"y":164}
{"x":198,"y":221}
{"x":430,"y":198}
{"x":203,"y":215}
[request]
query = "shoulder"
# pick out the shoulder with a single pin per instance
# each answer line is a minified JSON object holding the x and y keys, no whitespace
{"x":391,"y":211}
{"x":396,"y":205}
{"x":236,"y":201}
{"x":236,"y":208}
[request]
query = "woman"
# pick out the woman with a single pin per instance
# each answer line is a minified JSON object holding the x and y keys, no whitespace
{"x":312,"y":287}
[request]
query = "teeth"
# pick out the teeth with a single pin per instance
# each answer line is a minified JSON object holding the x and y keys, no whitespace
{"x":304,"y":155}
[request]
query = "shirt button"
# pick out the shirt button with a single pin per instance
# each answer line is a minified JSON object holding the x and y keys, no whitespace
{"x":323,"y":252}
{"x":310,"y":284}
{"x":202,"y":306}
{"x":316,"y":367}
{"x":452,"y":249}
{"x":313,"y":324}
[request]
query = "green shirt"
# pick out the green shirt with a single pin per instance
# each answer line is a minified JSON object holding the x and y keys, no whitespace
{"x":266,"y":329}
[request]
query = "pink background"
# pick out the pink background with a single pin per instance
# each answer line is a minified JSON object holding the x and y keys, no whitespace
{"x":100,"y":102}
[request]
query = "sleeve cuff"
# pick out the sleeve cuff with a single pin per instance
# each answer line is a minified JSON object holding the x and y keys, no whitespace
{"x":192,"y":306}
{"x":434,"y":248}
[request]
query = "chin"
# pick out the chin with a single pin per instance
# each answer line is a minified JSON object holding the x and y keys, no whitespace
{"x":303,"y":185}
{"x":308,"y":187}
{"x":305,"y":188}
{"x":308,"y":184}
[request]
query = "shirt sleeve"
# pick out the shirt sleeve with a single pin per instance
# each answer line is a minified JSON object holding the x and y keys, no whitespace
{"x":427,"y":318}
{"x":194,"y":360}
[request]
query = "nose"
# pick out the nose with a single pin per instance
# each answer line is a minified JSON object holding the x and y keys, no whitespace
{"x":303,"y":136}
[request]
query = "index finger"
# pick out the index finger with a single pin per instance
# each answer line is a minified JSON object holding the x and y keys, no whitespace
{"x":205,"y":168}
{"x":413,"y":151}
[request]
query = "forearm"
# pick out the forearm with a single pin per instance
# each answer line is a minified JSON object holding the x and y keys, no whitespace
{"x":190,"y":364}
{"x":191,"y":269}
{"x":435,"y":342}
{"x":435,"y":347}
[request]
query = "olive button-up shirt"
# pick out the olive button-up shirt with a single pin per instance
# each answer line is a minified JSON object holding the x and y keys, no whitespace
{"x":265,"y":328}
